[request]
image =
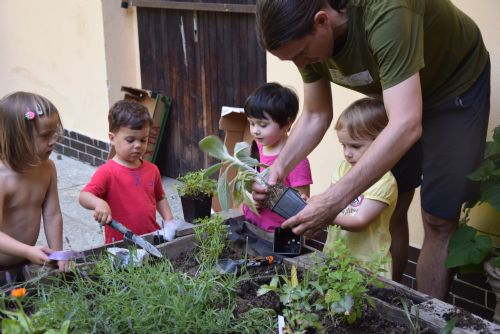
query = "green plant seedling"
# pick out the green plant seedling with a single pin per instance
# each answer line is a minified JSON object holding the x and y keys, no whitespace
{"x":211,"y":236}
{"x":340,"y":282}
{"x":298,"y":298}
{"x":240,"y":186}
{"x":196,"y":184}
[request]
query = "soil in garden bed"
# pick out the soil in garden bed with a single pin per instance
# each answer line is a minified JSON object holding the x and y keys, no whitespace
{"x":247,"y":298}
{"x":467,"y":320}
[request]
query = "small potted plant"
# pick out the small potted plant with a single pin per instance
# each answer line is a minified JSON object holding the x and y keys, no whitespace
{"x":284,"y":201}
{"x":469,"y":250}
{"x":196,"y":192}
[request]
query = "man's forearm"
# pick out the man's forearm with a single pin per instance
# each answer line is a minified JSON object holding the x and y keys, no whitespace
{"x":382,"y":155}
{"x":307,"y":134}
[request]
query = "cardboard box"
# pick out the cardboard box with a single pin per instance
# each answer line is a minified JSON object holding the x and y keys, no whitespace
{"x":158,"y":106}
{"x":235,"y":125}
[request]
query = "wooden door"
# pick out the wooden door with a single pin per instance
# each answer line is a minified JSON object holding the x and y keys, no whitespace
{"x":204,"y":56}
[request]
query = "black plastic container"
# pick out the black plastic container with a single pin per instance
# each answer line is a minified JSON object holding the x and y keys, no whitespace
{"x":289,"y":204}
{"x":194,"y":208}
{"x":286,"y":242}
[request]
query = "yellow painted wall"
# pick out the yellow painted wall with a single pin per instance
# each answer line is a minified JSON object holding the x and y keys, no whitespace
{"x":329,"y":152}
{"x":121,"y":45}
{"x":77,"y":53}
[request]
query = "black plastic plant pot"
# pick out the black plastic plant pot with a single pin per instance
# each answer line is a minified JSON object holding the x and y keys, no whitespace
{"x":289,"y":204}
{"x":286,"y":242}
{"x":196,"y":207}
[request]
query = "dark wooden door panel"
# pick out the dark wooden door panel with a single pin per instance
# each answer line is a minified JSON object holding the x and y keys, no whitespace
{"x":203,"y":60}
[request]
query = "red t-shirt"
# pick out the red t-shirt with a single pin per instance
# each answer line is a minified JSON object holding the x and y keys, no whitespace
{"x":131,"y":193}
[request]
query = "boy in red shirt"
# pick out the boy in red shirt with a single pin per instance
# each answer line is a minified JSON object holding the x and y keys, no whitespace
{"x":127,"y":188}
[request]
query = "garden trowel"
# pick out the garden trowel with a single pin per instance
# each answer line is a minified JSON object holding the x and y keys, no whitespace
{"x":230,"y":266}
{"x":138,"y":241}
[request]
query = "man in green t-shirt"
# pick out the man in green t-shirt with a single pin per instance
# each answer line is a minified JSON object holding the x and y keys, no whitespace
{"x":426,"y":60}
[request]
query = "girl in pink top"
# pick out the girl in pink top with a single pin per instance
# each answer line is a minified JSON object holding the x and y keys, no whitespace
{"x":271,"y":110}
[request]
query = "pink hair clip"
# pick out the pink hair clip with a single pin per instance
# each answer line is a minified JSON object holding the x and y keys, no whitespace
{"x":29,"y":114}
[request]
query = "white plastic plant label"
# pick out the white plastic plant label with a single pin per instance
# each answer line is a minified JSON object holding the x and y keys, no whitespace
{"x":281,"y":324}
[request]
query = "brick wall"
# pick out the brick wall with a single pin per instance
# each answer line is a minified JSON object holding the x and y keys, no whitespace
{"x":469,"y":291}
{"x":83,"y":148}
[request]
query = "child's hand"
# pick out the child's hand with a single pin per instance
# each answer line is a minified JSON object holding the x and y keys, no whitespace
{"x":102,"y":213}
{"x":38,"y":254}
{"x":64,"y":265}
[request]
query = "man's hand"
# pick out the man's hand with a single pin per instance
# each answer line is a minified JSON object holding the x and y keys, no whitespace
{"x":314,"y":218}
{"x":102,"y":213}
{"x":38,"y":254}
{"x":259,"y":191}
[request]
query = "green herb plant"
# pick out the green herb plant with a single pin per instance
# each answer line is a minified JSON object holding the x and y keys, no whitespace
{"x":153,"y":298}
{"x":196,"y":184}
{"x":211,"y":236}
{"x":467,"y":248}
{"x":16,"y":321}
{"x":334,"y":283}
{"x":240,"y":186}
{"x":299,"y":301}
{"x":341,"y":284}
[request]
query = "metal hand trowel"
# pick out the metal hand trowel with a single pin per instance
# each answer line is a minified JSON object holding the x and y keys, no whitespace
{"x":138,"y":241}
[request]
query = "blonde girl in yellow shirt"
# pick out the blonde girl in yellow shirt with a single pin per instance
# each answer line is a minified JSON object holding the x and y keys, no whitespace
{"x":365,"y":221}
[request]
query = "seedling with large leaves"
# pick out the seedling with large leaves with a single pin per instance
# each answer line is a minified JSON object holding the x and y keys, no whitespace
{"x":240,"y":186}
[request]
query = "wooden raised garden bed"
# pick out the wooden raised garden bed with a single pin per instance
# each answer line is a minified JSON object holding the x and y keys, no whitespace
{"x":388,"y":316}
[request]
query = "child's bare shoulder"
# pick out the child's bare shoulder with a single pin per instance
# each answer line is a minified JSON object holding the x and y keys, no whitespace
{"x":8,"y":178}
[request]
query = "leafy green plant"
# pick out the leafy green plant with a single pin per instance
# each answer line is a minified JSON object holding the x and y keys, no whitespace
{"x":211,"y":236}
{"x":153,"y":298}
{"x":334,"y":283}
{"x":16,"y":321}
{"x":196,"y":184}
{"x":467,"y":248}
{"x":299,"y":300}
{"x":241,"y":185}
{"x":343,"y":287}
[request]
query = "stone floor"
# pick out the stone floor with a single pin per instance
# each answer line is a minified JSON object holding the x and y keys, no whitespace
{"x":80,"y":230}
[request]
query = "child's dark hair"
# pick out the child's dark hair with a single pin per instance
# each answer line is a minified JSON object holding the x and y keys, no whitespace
{"x":130,"y":114}
{"x":363,"y":119}
{"x":281,"y":103}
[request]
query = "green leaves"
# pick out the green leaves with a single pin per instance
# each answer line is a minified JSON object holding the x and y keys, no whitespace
{"x":197,"y":184}
{"x":467,"y":247}
{"x":240,"y":186}
{"x":490,"y":193}
{"x":333,"y":283}
{"x":215,"y":147}
{"x":223,"y":191}
{"x":11,"y":326}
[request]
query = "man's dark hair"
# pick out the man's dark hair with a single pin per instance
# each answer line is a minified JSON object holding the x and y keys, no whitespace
{"x":130,"y":114}
{"x":281,"y":103}
{"x":281,"y":21}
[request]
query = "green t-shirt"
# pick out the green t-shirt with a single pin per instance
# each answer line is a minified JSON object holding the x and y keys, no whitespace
{"x":390,"y":40}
